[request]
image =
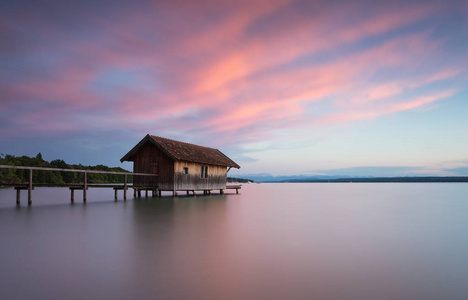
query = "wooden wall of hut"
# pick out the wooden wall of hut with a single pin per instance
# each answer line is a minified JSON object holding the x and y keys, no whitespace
{"x":192,"y":181}
{"x":150,"y":159}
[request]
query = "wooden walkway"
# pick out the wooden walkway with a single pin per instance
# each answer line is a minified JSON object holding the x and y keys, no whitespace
{"x":236,"y":187}
{"x":84,"y":186}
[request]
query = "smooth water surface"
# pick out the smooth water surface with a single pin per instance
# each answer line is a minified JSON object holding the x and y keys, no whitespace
{"x":272,"y":241}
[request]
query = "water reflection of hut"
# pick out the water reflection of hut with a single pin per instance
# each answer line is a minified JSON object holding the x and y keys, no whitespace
{"x":180,"y":166}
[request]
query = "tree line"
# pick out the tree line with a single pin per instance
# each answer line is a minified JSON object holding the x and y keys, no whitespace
{"x":18,"y":176}
{"x":242,"y":180}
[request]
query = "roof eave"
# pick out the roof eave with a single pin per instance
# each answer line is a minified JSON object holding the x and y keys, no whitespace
{"x":234,"y":164}
{"x":129,"y":155}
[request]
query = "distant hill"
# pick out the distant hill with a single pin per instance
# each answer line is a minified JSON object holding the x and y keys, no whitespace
{"x":389,"y":179}
{"x":264,"y":177}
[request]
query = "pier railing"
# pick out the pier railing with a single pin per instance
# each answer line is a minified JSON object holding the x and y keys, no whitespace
{"x":84,"y":186}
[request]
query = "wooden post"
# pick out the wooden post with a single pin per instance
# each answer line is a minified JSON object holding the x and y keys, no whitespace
{"x":18,"y":194}
{"x":134,"y":192}
{"x":115,"y":194}
{"x":221,"y":191}
{"x":72,"y":196}
{"x":139,"y":193}
{"x":159,"y":192}
{"x":146,"y":193}
{"x":125,"y":187}
{"x":85,"y":186}
{"x":30,"y":187}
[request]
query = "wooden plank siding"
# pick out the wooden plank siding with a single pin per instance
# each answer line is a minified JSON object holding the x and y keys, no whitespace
{"x":152,"y":160}
{"x":192,"y":181}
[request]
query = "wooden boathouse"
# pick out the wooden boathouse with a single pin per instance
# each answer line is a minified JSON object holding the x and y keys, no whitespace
{"x":181,"y":166}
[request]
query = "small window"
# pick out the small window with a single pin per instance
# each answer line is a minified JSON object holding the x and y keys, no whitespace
{"x":185,"y":171}
{"x":204,"y":171}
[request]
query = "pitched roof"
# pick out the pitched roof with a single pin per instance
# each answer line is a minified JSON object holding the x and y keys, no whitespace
{"x":184,"y":151}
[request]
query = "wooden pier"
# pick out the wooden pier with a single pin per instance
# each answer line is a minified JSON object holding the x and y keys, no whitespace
{"x":236,"y":187}
{"x":85,"y":185}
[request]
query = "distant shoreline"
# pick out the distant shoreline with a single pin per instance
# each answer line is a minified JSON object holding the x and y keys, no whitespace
{"x":376,"y":180}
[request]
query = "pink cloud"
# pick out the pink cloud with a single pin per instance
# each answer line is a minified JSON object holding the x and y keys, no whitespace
{"x":252,"y":67}
{"x":374,"y":112}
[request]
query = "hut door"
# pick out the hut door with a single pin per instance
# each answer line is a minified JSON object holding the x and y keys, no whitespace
{"x":154,"y":167}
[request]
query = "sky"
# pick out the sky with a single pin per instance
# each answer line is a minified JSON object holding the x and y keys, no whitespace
{"x":368,"y":88}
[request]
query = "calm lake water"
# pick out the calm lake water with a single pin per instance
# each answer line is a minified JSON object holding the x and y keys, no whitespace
{"x":272,"y":241}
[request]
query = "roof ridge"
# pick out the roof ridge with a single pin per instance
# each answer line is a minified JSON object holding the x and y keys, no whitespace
{"x":160,"y":137}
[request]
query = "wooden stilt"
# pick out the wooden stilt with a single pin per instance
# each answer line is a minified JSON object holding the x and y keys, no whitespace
{"x":146,"y":193}
{"x":18,"y":195}
{"x":30,"y":187}
{"x":85,"y":186}
{"x":115,"y":194}
{"x":72,"y":196}
{"x":125,"y":187}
